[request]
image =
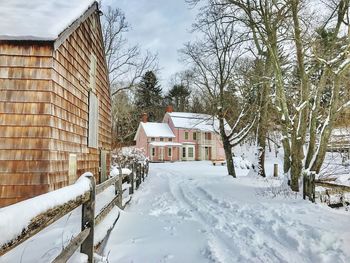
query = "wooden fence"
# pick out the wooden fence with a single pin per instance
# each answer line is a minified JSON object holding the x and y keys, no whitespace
{"x":85,"y":239}
{"x":333,"y":194}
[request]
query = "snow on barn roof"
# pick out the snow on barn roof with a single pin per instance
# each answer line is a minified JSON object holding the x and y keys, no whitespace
{"x":39,"y":19}
{"x":196,"y":121}
{"x":155,"y":129}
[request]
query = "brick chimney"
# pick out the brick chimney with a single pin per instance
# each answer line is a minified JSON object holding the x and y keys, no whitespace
{"x":144,"y":117}
{"x":169,"y":109}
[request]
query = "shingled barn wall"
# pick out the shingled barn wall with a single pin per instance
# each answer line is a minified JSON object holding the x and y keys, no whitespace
{"x":44,"y":104}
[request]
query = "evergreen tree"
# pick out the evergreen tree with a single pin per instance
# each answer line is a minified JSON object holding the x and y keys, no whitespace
{"x":148,"y":97}
{"x":178,"y":96}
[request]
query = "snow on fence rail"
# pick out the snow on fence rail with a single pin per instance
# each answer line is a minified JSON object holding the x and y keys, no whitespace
{"x":41,"y":211}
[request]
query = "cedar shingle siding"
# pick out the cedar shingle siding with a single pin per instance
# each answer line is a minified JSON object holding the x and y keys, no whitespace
{"x":44,"y":112}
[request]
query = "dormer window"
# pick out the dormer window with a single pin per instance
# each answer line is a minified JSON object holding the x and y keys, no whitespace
{"x":162,"y":139}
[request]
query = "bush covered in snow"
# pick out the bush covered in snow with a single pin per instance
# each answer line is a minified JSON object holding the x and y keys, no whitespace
{"x":125,"y":156}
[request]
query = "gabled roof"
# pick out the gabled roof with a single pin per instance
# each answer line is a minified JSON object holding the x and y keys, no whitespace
{"x":196,"y":121}
{"x":42,"y":20}
{"x":155,"y":129}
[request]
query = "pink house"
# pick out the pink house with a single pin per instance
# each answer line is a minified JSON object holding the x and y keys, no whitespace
{"x":182,"y":136}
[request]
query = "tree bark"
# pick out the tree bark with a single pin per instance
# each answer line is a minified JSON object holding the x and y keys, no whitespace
{"x":227,"y":146}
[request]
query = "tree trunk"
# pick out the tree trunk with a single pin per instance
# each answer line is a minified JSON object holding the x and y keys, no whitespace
{"x":229,"y":161}
{"x":227,"y":146}
{"x":263,"y":118}
{"x":286,"y":157}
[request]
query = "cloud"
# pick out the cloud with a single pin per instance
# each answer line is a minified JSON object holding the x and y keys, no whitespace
{"x":160,"y":26}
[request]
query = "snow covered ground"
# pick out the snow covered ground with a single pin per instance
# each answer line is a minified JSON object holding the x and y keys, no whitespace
{"x":193,"y":212}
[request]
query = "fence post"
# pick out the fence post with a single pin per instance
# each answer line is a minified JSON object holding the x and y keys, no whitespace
{"x":119,"y":189}
{"x":304,"y":186}
{"x":147,"y":162}
{"x":140,"y":173}
{"x":143,"y":172}
{"x":275,"y":170}
{"x":312,"y":187}
{"x":88,"y":221}
{"x":131,"y":181}
{"x":137,"y":176}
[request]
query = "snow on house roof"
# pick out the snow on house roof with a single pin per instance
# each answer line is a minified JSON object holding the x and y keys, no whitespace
{"x":155,"y":129}
{"x":39,"y":19}
{"x":196,"y":121}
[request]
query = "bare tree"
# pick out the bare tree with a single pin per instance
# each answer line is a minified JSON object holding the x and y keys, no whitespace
{"x":316,"y":65}
{"x":270,"y":22}
{"x":214,"y":60}
{"x":126,"y":64}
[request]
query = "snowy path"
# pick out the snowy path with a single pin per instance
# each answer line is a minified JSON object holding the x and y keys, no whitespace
{"x":192,"y":212}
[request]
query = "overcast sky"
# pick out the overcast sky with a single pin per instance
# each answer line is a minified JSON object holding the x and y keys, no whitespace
{"x":162,"y":26}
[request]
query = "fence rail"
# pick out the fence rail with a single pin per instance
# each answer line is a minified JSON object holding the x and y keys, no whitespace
{"x":333,"y":195}
{"x":85,"y":239}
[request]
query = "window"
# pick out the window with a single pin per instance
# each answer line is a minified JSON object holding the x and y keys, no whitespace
{"x":190,"y":152}
{"x":169,"y":152}
{"x":153,"y":139}
{"x":194,"y":136}
{"x":170,"y":139}
{"x":186,"y":135}
{"x":153,"y":152}
{"x":93,"y":121}
{"x":208,"y":136}
{"x":162,"y":139}
{"x":93,"y":66}
{"x":184,"y":152}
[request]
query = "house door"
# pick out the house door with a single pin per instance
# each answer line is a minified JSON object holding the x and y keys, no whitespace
{"x":207,"y":153}
{"x":161,"y":154}
{"x":190,"y":153}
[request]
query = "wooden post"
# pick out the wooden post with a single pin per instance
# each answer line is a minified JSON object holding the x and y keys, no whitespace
{"x":120,"y":189}
{"x":147,"y":166}
{"x":116,"y":183}
{"x":312,"y":187}
{"x":140,"y":174}
{"x":143,"y":172}
{"x":88,"y":221}
{"x":275,"y":170}
{"x":304,"y":186}
{"x":137,"y":176}
{"x":131,"y":181}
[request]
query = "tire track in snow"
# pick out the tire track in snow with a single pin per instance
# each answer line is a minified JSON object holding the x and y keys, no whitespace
{"x":239,"y":232}
{"x":222,"y":241}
